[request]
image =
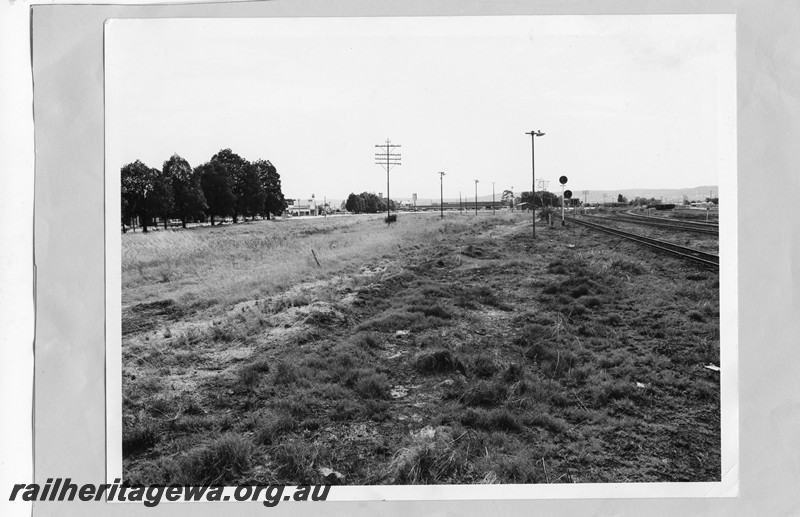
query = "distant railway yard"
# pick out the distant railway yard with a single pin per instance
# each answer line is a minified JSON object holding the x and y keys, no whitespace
{"x":446,"y":351}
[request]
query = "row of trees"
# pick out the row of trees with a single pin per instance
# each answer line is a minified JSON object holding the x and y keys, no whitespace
{"x":541,"y":198}
{"x":367,"y":203}
{"x":225,"y":186}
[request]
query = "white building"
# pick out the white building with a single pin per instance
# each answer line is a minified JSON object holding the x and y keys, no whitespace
{"x":298,"y":207}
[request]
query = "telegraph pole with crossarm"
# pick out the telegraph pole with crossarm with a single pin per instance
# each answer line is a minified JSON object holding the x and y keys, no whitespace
{"x":387,"y":159}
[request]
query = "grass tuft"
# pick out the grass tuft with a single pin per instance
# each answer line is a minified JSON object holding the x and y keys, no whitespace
{"x":438,"y":361}
{"x":223,"y":460}
{"x":272,"y":425}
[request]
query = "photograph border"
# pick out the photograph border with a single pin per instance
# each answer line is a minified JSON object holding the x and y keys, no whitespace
{"x":726,"y":487}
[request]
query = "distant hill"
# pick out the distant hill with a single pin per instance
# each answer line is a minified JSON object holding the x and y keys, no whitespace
{"x":666,"y":195}
{"x":596,"y":196}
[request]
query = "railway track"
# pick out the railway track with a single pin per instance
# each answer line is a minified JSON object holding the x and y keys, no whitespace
{"x":660,"y":222}
{"x":698,"y":224}
{"x":700,"y":257}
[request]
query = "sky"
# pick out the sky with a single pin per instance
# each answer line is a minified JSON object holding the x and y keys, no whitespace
{"x":629,"y":101}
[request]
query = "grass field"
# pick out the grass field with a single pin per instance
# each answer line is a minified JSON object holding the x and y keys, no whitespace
{"x":341,"y":350}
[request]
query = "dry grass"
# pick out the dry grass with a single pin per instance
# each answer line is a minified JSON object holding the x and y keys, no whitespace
{"x":425,"y":351}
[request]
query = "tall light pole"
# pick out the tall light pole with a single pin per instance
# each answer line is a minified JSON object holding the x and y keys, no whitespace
{"x":476,"y":197}
{"x":441,"y":194}
{"x":533,"y":179}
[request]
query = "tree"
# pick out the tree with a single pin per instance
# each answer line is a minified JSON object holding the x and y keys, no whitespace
{"x":186,"y":189}
{"x":250,"y":195}
{"x":525,"y":198}
{"x":274,"y":202}
{"x":621,"y":199}
{"x":217,"y":188}
{"x":372,"y":203}
{"x":507,"y":199}
{"x":352,"y":204}
{"x":366,"y":202}
{"x":542,"y":199}
{"x":145,"y":193}
{"x":160,"y":201}
{"x":133,"y":179}
{"x":246,"y":186}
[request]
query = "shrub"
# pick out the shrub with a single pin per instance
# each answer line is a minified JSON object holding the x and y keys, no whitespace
{"x":696,"y":316}
{"x":285,"y":373}
{"x":373,"y":386}
{"x":438,"y":361}
{"x":365,"y":339}
{"x":513,"y":373}
{"x":540,"y":351}
{"x":250,"y":374}
{"x":545,"y":420}
{"x":430,"y":458}
{"x":222,"y":333}
{"x":392,"y":218}
{"x":579,"y":291}
{"x":484,"y":394}
{"x":137,"y":438}
{"x":532,"y":333}
{"x":295,"y":461}
{"x":499,"y":419}
{"x":221,"y":461}
{"x":628,"y":266}
{"x":610,"y":390}
{"x":484,"y":366}
{"x":394,"y":319}
{"x":271,"y":425}
{"x":557,"y":268}
{"x":591,"y":302}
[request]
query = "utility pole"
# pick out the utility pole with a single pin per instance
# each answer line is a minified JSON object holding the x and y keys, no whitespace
{"x":493,"y":212}
{"x":476,"y":197}
{"x":387,"y":159}
{"x":533,"y":180}
{"x":441,"y":194}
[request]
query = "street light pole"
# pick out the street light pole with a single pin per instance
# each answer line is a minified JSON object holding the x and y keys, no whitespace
{"x":441,"y":194}
{"x":476,"y":197}
{"x":533,"y":180}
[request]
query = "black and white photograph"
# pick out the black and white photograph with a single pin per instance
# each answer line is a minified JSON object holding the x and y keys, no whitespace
{"x":430,"y":251}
